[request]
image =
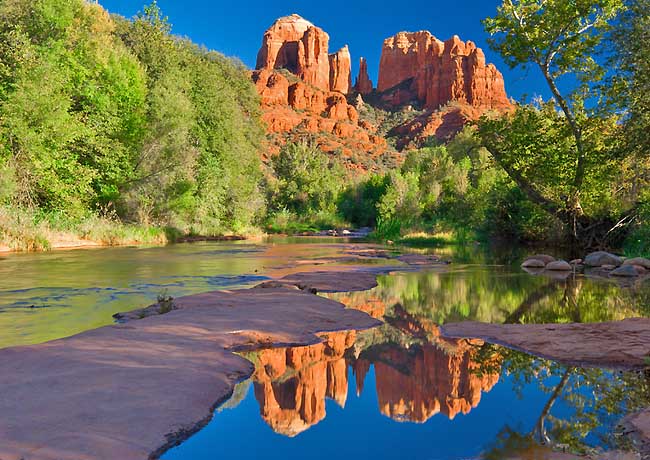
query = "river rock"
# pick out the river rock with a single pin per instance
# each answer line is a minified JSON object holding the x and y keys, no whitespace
{"x":602,"y":258}
{"x":615,"y":344}
{"x":544,"y":258}
{"x":640,"y":261}
{"x":576,"y":262}
{"x":625,"y":271}
{"x":533,"y":263}
{"x":559,"y":266}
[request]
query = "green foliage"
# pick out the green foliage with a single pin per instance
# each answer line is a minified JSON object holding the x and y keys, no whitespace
{"x":358,"y":203}
{"x":305,"y":181}
{"x":536,"y":147}
{"x":101,"y":114}
{"x":559,"y":36}
{"x":557,"y":158}
{"x":638,"y":241}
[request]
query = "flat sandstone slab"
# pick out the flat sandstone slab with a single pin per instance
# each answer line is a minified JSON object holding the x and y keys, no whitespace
{"x":617,"y":344}
{"x":132,"y":390}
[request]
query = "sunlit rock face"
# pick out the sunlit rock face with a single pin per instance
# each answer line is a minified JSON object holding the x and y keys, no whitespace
{"x":450,"y":79}
{"x":414,"y":386}
{"x":295,"y":44}
{"x":291,"y":385}
{"x":341,"y":71}
{"x":303,"y":91}
{"x":438,"y":72}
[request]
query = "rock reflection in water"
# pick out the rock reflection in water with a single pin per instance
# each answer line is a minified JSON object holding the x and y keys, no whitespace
{"x":413,"y":384}
{"x":291,"y":384}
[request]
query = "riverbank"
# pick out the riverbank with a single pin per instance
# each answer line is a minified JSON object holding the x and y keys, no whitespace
{"x":22,"y":232}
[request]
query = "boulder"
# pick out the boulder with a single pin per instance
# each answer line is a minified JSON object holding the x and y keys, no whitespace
{"x":640,"y":261}
{"x":544,"y":258}
{"x":602,"y":258}
{"x":533,"y":263}
{"x":625,"y":271}
{"x":559,"y":265}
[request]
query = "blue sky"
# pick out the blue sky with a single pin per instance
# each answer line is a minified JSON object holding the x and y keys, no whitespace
{"x":235,"y":27}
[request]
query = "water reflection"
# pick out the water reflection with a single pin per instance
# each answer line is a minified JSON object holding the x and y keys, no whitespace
{"x":416,"y":376}
{"x":412,"y":383}
{"x":570,"y":408}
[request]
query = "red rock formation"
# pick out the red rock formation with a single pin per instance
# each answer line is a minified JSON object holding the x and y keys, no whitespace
{"x":363,"y":84}
{"x":295,"y":44}
{"x":292,"y":405}
{"x":340,"y":71}
{"x":309,"y":100}
{"x":435,"y":73}
{"x":442,"y":124}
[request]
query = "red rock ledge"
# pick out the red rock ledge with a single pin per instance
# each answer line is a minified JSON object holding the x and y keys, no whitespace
{"x":131,"y":391}
{"x":617,"y":345}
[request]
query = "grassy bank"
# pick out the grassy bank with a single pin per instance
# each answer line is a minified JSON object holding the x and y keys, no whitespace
{"x":26,"y":231}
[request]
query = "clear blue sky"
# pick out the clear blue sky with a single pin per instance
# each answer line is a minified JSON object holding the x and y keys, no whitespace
{"x":235,"y":27}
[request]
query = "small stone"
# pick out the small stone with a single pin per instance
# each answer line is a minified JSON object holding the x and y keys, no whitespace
{"x":576,"y":262}
{"x":602,"y":258}
{"x":625,"y":271}
{"x":640,"y":261}
{"x":559,"y":266}
{"x":608,"y":267}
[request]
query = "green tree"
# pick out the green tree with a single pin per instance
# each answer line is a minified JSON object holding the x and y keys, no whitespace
{"x":561,"y":39}
{"x":71,"y":102}
{"x":305,"y":180}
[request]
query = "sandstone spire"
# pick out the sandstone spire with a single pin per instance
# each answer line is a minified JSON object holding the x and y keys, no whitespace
{"x":363,"y":85}
{"x":340,"y":70}
{"x":295,"y":44}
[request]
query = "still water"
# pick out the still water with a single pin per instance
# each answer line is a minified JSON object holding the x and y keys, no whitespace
{"x":397,"y":391}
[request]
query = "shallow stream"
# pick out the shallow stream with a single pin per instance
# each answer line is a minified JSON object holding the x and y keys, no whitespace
{"x":398,"y":391}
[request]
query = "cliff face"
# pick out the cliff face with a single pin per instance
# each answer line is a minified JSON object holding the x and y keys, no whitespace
{"x":439,"y":72}
{"x":341,"y":71}
{"x":295,"y":44}
{"x":304,"y":91}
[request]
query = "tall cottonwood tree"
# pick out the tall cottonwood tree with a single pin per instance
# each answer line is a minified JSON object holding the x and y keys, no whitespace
{"x":560,"y":38}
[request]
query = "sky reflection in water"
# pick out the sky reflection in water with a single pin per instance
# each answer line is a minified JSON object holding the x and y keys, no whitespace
{"x":400,"y":391}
